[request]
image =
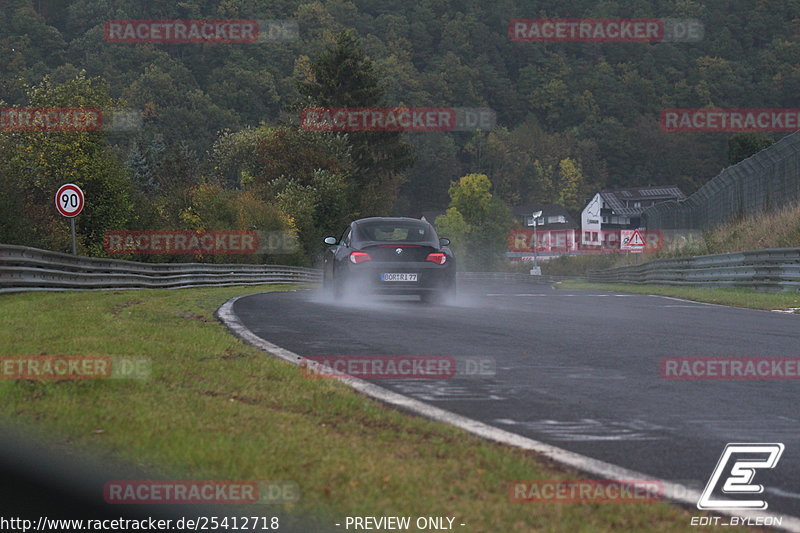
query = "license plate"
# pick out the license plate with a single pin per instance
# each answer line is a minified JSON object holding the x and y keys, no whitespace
{"x":400,"y":276}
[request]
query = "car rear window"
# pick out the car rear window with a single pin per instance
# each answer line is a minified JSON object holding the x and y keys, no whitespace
{"x":396,"y":232}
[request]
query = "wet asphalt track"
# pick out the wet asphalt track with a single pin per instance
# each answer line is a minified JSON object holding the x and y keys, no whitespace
{"x":576,"y":369}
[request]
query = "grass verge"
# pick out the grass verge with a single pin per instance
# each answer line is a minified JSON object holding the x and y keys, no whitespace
{"x":738,"y":297}
{"x":216,"y":408}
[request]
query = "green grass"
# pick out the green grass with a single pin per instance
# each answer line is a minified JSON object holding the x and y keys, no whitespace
{"x":579,"y":265}
{"x":216,"y":408}
{"x":739,"y":297}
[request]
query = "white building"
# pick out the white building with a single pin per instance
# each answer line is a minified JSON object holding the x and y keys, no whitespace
{"x":621,"y":209}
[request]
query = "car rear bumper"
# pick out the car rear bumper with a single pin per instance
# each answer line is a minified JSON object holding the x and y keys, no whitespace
{"x":430,"y":277}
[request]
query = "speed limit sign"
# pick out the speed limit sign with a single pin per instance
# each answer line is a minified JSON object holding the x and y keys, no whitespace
{"x":69,"y":200}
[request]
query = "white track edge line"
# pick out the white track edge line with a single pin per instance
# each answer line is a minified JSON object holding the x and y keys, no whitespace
{"x":673,"y":491}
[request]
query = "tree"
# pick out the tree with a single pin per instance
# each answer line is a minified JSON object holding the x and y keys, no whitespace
{"x":428,"y":180}
{"x":37,"y":162}
{"x":478,"y":222}
{"x":571,"y":185}
{"x":743,"y":145}
{"x":211,"y":207}
{"x":142,"y":174}
{"x":318,"y":209}
{"x":453,"y":226}
{"x":343,"y":76}
{"x":596,"y":104}
{"x":305,"y":174}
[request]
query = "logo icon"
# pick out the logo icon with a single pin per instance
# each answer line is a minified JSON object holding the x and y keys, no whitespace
{"x":745,"y":459}
{"x":398,"y":251}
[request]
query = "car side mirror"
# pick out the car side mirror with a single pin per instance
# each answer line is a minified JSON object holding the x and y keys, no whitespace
{"x":330,"y":240}
{"x":444,"y":241}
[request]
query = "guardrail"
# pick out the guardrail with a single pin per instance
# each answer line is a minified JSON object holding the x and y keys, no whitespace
{"x":509,"y":276}
{"x":775,"y":269}
{"x":29,"y":269}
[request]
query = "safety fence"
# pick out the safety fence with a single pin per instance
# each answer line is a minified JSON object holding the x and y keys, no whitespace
{"x":761,"y":183}
{"x":773,"y":269}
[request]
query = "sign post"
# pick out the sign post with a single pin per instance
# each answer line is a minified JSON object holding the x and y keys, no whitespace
{"x":536,"y":270}
{"x":69,"y":202}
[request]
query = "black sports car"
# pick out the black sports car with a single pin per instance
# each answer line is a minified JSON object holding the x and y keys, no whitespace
{"x":390,"y":256}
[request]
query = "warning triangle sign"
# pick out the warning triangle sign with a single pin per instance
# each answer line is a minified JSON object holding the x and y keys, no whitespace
{"x":636,"y":239}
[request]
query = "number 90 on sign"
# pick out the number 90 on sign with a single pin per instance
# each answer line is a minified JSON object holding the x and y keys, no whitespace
{"x":69,"y":200}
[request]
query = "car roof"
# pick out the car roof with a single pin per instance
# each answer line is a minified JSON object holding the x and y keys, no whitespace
{"x":390,"y":219}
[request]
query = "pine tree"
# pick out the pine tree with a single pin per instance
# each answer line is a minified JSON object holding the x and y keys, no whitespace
{"x":343,"y":76}
{"x":143,"y":177}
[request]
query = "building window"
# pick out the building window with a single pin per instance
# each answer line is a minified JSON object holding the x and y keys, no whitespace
{"x":594,"y":236}
{"x":637,"y":204}
{"x":587,"y":236}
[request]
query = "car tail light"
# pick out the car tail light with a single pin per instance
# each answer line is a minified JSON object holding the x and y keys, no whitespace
{"x":437,"y":257}
{"x":359,"y":257}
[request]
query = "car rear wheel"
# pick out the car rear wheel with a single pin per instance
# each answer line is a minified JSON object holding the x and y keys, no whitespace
{"x":432,"y":298}
{"x":439,"y":297}
{"x":337,"y":284}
